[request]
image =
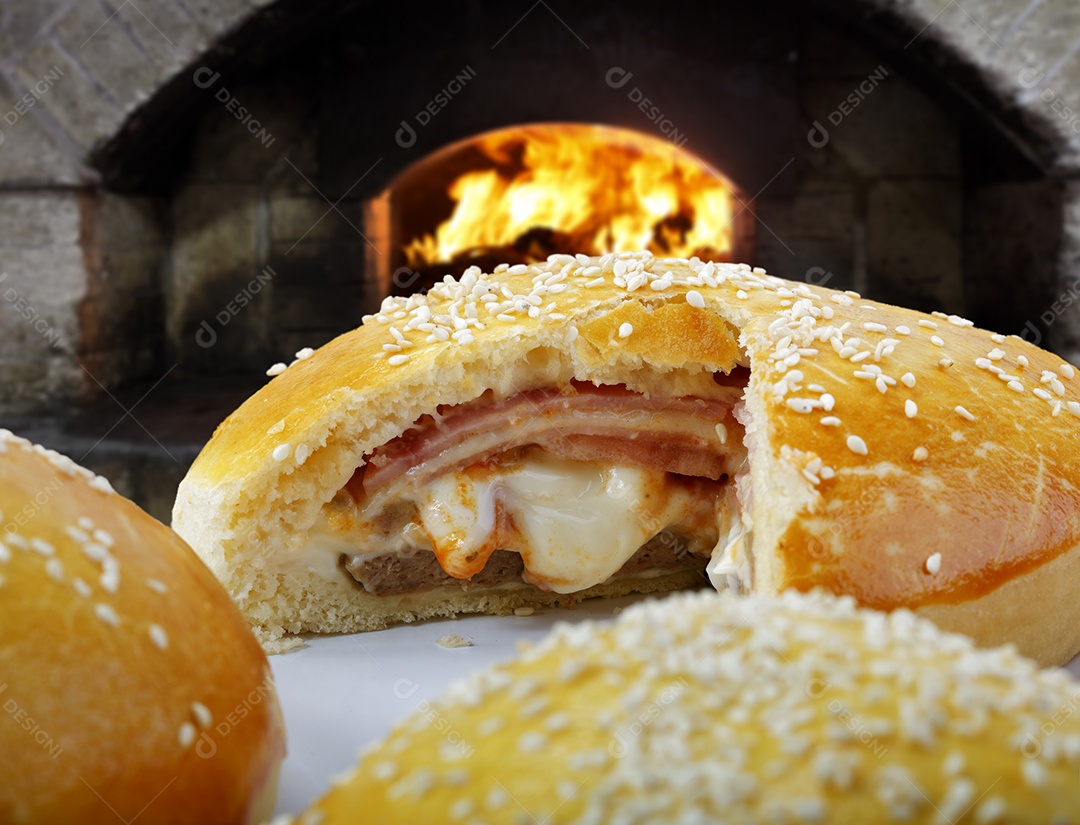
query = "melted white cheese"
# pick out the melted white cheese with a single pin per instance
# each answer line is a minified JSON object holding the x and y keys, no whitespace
{"x":729,"y":567}
{"x":579,"y":521}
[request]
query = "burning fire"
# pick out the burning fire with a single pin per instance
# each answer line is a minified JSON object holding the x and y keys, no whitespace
{"x":574,"y":188}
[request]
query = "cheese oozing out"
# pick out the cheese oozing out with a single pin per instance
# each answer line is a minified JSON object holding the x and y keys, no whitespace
{"x":575,"y":523}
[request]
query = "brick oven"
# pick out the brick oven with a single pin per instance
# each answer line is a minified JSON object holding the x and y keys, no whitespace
{"x":192,"y":191}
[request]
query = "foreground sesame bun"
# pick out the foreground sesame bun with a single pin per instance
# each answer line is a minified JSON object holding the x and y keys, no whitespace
{"x":714,"y":708}
{"x":903,"y":458}
{"x":131,"y":687}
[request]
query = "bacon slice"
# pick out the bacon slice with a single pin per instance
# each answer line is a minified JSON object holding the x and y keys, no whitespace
{"x":585,"y":422}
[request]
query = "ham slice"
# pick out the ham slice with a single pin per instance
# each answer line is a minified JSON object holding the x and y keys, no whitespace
{"x":584,"y":422}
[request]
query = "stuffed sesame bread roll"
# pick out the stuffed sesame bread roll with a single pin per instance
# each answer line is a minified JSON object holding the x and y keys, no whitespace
{"x":131,"y":686}
{"x":595,"y":426}
{"x":708,"y":707}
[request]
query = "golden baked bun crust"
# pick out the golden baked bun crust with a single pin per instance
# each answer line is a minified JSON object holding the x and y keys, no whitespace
{"x":131,"y":686}
{"x":715,"y":708}
{"x":904,"y":458}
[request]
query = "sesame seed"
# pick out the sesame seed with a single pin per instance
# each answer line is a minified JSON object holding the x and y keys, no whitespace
{"x":154,"y":584}
{"x":995,"y":354}
{"x":928,"y":324}
{"x":911,"y":409}
{"x":106,"y":614}
{"x":946,"y":363}
{"x":1074,"y":408}
{"x":571,"y":335}
{"x":42,"y":547}
{"x":933,"y":564}
{"x":875,"y":327}
{"x":920,"y":454}
{"x":830,"y":421}
{"x":517,"y":269}
{"x":82,"y":588}
{"x":861,"y":356}
{"x":302,"y":453}
{"x":856,"y":445}
{"x":936,"y":339}
{"x":908,"y":379}
{"x":531,"y":742}
{"x":1043,"y":394}
{"x":1066,"y":371}
{"x":101,"y":484}
{"x":1015,"y":385}
{"x":202,"y":714}
{"x":1022,"y":361}
{"x":801,"y":405}
{"x":1034,"y":773}
{"x":982,"y":363}
{"x":54,"y":569}
{"x":827,"y":402}
{"x":960,"y":410}
{"x":398,"y":360}
{"x":693,"y":297}
{"x":277,"y":369}
{"x":281,"y":452}
{"x":997,"y":338}
{"x":158,"y":636}
{"x":741,"y":295}
{"x":304,"y":354}
{"x":903,"y":330}
{"x":625,"y":330}
{"x":186,"y":735}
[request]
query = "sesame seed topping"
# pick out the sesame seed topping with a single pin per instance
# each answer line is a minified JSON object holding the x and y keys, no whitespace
{"x":928,"y":324}
{"x":997,"y":338}
{"x":106,"y":614}
{"x":911,"y":409}
{"x":962,"y":411}
{"x":831,"y":421}
{"x":54,"y":569}
{"x":741,"y":295}
{"x":908,"y":379}
{"x":1023,"y":361}
{"x":1016,"y":386}
{"x":946,"y":363}
{"x":693,"y":297}
{"x":875,"y":327}
{"x":398,"y":359}
{"x":277,"y":369}
{"x":933,"y":564}
{"x":532,"y":742}
{"x":920,"y":454}
{"x":625,"y":330}
{"x":1043,"y":394}
{"x":801,"y":405}
{"x":82,"y":588}
{"x":186,"y":735}
{"x":903,"y":330}
{"x":1066,"y":371}
{"x":1073,"y":407}
{"x":202,"y":714}
{"x":101,"y":484}
{"x":158,"y":636}
{"x":995,"y":354}
{"x":856,"y":445}
{"x":302,"y":453}
{"x":156,"y":585}
{"x":282,"y":451}
{"x":304,"y":354}
{"x":936,"y":339}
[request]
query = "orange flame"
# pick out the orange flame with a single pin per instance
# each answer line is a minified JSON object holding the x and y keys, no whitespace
{"x":601,"y":189}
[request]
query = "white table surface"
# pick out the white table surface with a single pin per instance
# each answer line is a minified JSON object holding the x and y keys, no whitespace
{"x":340,"y":693}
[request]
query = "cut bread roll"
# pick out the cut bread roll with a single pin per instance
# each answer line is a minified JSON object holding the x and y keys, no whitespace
{"x":131,"y":686}
{"x":597,"y":426}
{"x":715,"y":708}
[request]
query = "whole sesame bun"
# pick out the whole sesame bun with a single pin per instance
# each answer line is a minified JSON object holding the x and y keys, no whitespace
{"x":909,"y":460}
{"x":131,"y":687}
{"x":710,"y":707}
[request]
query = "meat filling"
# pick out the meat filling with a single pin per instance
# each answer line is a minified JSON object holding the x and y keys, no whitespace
{"x":562,"y":490}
